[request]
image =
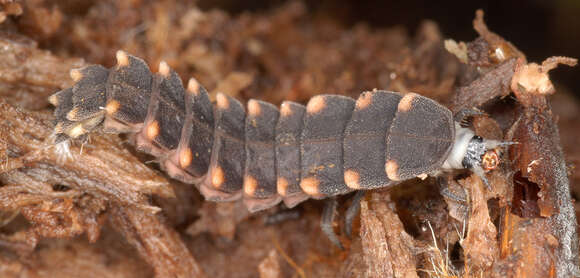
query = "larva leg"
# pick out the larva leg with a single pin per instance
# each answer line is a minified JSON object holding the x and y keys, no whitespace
{"x":282,"y":216}
{"x":327,"y":221}
{"x":352,"y":212}
{"x":63,"y":102}
{"x":462,"y":117}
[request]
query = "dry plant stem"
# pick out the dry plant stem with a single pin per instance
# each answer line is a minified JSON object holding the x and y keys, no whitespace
{"x":158,"y":244}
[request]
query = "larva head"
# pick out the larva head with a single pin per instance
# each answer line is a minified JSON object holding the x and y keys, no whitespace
{"x":482,"y":153}
{"x":473,"y":152}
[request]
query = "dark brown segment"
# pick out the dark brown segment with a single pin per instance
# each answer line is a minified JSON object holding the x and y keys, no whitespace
{"x":260,"y":170}
{"x":365,"y":138}
{"x":321,"y":148}
{"x":129,"y":90}
{"x":64,"y":128}
{"x":194,"y":151}
{"x":420,"y":137}
{"x":63,"y":102}
{"x":151,"y":129}
{"x":89,"y":93}
{"x":170,"y":112}
{"x":288,"y":133}
{"x":228,"y":153}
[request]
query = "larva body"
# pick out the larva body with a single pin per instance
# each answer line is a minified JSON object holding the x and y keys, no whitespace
{"x":332,"y":146}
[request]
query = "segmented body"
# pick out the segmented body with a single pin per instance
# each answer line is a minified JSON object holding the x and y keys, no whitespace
{"x":331,"y":146}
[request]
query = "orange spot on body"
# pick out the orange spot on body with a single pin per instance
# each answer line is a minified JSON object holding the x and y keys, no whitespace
{"x":76,"y":75}
{"x":286,"y":109}
{"x":254,"y":108}
{"x":310,"y":186}
{"x":185,"y":157}
{"x":217,"y":177}
{"x":250,"y":185}
{"x":222,"y":101}
{"x":76,"y":131}
{"x":152,"y":130}
{"x":193,"y":86}
{"x":364,"y":100}
{"x":392,"y":169}
{"x":316,"y":104}
{"x":282,"y":186}
{"x":406,"y":102}
{"x":112,"y":107}
{"x":122,"y":58}
{"x":164,"y":69}
{"x":352,"y":179}
{"x":71,"y":115}
{"x":53,"y":99}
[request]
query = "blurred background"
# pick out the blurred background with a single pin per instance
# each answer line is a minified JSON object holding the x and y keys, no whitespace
{"x":540,"y":29}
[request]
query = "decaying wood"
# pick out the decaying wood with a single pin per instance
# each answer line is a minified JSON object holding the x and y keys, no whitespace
{"x":530,"y":248}
{"x":9,"y":8}
{"x":159,"y":245}
{"x":539,"y":160}
{"x":387,"y":248}
{"x":494,"y":83}
{"x":480,"y":245}
{"x":29,"y":75}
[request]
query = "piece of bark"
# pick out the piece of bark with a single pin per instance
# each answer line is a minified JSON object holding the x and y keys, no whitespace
{"x":103,"y":168}
{"x":538,"y":158}
{"x":480,"y":244}
{"x":531,"y":80}
{"x":104,"y":172}
{"x":9,"y":8}
{"x":157,"y":244}
{"x":527,"y":249}
{"x":494,"y":83}
{"x":387,"y":248}
{"x":499,"y":48}
{"x":375,"y":246}
{"x":28,"y":75}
